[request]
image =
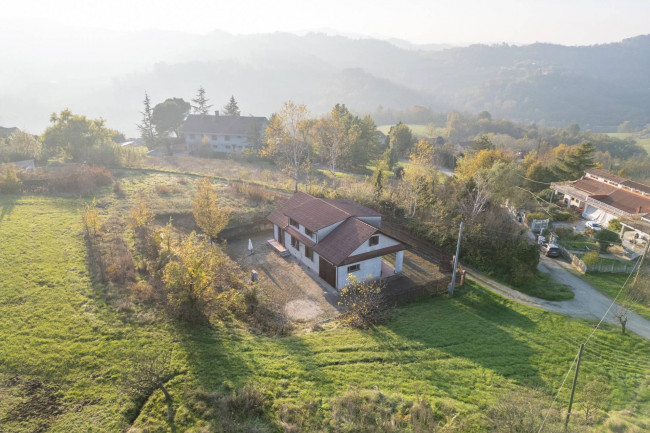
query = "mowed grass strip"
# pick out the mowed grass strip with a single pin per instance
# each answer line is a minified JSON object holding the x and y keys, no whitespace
{"x":57,"y":327}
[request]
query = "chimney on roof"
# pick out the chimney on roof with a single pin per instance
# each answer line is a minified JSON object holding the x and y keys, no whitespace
{"x":638,"y":209}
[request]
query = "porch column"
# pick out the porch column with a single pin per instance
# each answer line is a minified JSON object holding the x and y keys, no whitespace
{"x":399,"y":261}
{"x":620,"y":235}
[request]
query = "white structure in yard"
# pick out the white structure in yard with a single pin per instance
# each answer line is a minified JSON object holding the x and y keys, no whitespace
{"x":224,"y":134}
{"x":335,"y":238}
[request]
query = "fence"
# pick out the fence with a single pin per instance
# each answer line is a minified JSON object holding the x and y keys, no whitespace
{"x":437,"y":254}
{"x":600,"y":267}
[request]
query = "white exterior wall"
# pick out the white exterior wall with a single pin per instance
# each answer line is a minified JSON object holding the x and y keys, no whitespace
{"x":370,"y":270}
{"x":384,"y":241}
{"x":300,"y":253}
{"x":276,"y":232}
{"x":218,"y":142}
{"x":373,"y":221}
{"x":327,"y":230}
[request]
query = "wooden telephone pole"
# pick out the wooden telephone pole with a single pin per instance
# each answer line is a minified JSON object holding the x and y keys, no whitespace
{"x":453,"y":277}
{"x":573,"y":388}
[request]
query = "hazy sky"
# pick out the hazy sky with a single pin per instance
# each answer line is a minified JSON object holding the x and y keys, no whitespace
{"x":570,"y":22}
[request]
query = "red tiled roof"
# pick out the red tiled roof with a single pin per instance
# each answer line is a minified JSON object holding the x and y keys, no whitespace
{"x":593,"y":186}
{"x":627,"y":201}
{"x":315,"y":213}
{"x":302,"y":238}
{"x":605,"y":175}
{"x":344,"y":239}
{"x":279,"y":218}
{"x":351,"y":207}
{"x":373,"y":254}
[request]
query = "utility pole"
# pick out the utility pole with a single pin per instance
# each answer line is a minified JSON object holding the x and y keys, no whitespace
{"x":453,"y":277}
{"x":573,"y":388}
{"x":645,"y":253}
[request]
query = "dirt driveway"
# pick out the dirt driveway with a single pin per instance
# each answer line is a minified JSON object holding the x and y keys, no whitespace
{"x":301,"y":293}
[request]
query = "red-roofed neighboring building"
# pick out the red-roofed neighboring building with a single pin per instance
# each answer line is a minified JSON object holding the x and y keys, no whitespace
{"x":603,"y":196}
{"x":335,"y":238}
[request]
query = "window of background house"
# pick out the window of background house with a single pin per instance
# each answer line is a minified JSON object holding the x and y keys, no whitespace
{"x":214,"y":136}
{"x":293,"y":222}
{"x":295,"y":243}
{"x":309,"y":253}
{"x":354,"y":268}
{"x":227,"y":137}
{"x":374,"y":240}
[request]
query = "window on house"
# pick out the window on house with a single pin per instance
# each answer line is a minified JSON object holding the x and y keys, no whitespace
{"x":213,"y":136}
{"x":354,"y":268}
{"x":374,"y":240}
{"x":309,"y":253}
{"x":294,"y":223}
{"x":295,"y":243}
{"x":227,"y":137}
{"x":227,"y":146}
{"x":309,"y":232}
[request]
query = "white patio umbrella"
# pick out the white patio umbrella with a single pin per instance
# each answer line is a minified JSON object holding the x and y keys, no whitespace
{"x":250,"y":246}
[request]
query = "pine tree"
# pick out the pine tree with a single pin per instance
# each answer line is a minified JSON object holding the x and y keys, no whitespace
{"x":202,"y":106}
{"x":147,"y":128}
{"x":231,"y":109}
{"x":576,"y":162}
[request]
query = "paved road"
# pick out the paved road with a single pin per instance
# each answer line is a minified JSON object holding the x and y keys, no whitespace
{"x":588,"y":302}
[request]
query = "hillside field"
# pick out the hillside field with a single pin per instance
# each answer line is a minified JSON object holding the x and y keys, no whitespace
{"x":65,"y":349}
{"x":643,"y":142}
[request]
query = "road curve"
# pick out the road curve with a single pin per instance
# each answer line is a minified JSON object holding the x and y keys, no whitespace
{"x":588,"y":302}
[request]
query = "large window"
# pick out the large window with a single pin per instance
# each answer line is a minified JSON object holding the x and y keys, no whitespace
{"x":294,"y":223}
{"x":309,"y":253}
{"x":374,"y":240}
{"x":354,"y":268}
{"x":295,"y":243}
{"x":309,"y":232}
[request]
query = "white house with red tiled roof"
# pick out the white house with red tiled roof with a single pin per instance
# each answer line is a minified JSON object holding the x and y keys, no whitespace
{"x":335,"y":238}
{"x":603,"y":196}
{"x":223,"y":134}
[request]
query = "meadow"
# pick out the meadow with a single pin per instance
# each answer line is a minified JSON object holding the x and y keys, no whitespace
{"x":65,"y":349}
{"x":643,"y":142}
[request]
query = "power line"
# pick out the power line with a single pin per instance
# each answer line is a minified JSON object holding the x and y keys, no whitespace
{"x":587,"y":340}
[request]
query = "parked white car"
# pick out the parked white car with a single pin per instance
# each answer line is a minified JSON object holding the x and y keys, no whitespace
{"x":593,"y":225}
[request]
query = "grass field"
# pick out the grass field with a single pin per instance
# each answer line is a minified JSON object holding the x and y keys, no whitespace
{"x":610,"y":284}
{"x":58,"y":328}
{"x":543,"y":286}
{"x":643,"y":142}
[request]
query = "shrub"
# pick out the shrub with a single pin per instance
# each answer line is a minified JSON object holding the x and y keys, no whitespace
{"x":9,"y":182}
{"x":254,"y":193}
{"x":118,"y":190}
{"x":73,"y":179}
{"x":165,"y":190}
{"x":364,"y":303}
{"x":615,"y":225}
{"x":530,"y":216}
{"x":591,"y":258}
{"x":605,"y":238}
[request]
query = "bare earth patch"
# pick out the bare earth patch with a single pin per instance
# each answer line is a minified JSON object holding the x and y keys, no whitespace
{"x":302,"y":295}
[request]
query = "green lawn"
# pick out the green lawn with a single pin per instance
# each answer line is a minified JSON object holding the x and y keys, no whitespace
{"x":419,"y":131}
{"x":57,"y":327}
{"x":643,"y":142}
{"x":543,"y":286}
{"x":611,"y":284}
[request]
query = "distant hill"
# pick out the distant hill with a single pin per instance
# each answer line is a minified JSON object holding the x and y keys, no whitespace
{"x":597,"y":87}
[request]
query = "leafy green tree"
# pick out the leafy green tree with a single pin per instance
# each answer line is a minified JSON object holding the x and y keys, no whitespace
{"x":231,"y":108}
{"x":146,"y":126}
{"x":364,"y":303}
{"x":168,"y":116}
{"x":21,"y":145}
{"x":400,"y":138}
{"x":605,"y":238}
{"x":209,"y":216}
{"x":201,"y":105}
{"x":482,"y":143}
{"x":75,"y":136}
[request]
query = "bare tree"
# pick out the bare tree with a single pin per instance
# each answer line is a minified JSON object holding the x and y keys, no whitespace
{"x":285,"y":138}
{"x":151,"y":374}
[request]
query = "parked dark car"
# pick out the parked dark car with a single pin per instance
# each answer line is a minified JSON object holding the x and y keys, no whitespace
{"x":552,"y":250}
